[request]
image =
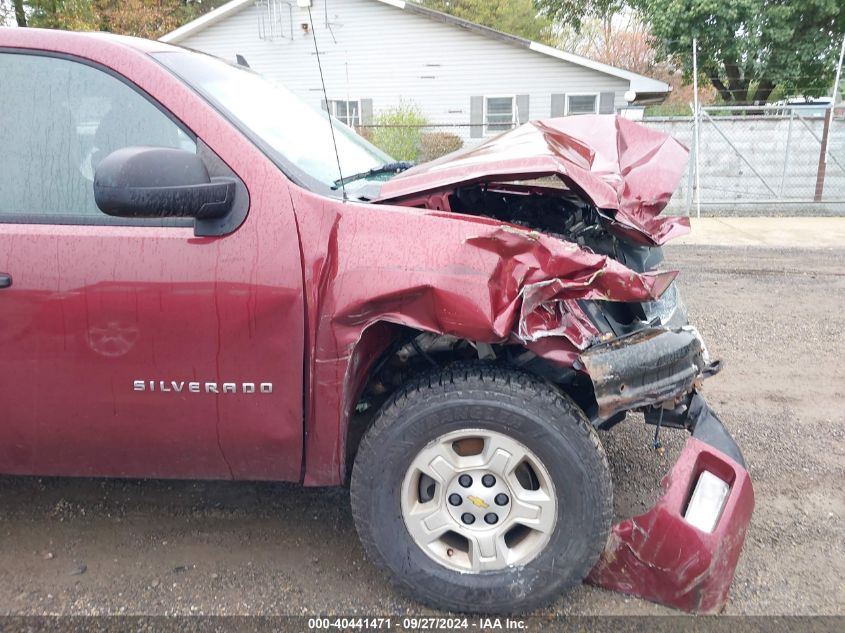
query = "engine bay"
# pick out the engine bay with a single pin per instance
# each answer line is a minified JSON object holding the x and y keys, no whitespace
{"x":558,"y":212}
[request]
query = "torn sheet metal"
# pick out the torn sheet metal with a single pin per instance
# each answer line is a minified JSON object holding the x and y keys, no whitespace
{"x":660,"y":557}
{"x":621,"y":166}
{"x":545,"y":276}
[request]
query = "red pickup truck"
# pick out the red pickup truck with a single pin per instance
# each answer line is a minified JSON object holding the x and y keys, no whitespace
{"x":204,"y":278}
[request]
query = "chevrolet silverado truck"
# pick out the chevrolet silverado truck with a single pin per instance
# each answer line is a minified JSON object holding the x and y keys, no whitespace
{"x":202,"y":277}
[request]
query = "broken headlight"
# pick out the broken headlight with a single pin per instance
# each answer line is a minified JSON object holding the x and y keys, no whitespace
{"x":620,"y":318}
{"x":669,"y":310}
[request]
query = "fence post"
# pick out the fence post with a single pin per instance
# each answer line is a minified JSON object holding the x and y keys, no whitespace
{"x":786,"y":152}
{"x":823,"y":156}
{"x":691,"y":171}
{"x":697,"y":127}
{"x":838,"y":77}
{"x":826,"y":130}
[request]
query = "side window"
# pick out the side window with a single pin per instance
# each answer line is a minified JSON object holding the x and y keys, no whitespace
{"x":60,"y":118}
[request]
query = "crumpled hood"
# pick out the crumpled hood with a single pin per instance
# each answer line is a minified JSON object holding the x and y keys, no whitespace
{"x":622,"y":167}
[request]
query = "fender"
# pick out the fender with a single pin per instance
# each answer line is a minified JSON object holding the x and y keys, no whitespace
{"x":473,"y":278}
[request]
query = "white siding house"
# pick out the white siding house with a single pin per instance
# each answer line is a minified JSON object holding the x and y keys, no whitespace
{"x":378,"y":53}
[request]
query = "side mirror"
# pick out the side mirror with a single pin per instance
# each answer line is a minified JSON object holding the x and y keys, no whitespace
{"x":160,"y":182}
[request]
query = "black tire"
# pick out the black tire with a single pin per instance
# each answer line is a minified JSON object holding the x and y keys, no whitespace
{"x":525,"y":408}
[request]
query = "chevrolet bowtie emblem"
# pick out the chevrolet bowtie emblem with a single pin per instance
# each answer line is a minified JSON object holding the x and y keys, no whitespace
{"x":480,"y":503}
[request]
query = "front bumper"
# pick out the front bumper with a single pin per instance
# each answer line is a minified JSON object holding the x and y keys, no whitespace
{"x":660,"y":555}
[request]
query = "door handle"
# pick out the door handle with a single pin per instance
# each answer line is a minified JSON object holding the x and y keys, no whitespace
{"x":5,"y":280}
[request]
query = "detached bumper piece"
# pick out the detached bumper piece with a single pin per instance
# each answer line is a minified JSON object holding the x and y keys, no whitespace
{"x":683,"y":552}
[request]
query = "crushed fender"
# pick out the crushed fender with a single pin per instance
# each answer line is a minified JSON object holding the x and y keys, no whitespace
{"x":542,"y":277}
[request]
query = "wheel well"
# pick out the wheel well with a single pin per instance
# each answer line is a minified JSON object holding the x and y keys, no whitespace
{"x":413,"y":352}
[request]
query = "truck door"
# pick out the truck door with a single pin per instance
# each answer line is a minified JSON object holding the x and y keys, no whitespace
{"x":134,"y":348}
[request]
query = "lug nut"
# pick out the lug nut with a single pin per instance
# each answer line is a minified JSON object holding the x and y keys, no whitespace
{"x":467,"y":518}
{"x":465,"y":481}
{"x":488,"y":480}
{"x":491,"y":519}
{"x":455,"y":499}
{"x":501,"y":499}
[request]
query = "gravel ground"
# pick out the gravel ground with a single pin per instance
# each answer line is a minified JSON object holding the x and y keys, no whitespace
{"x":769,"y":209}
{"x":89,"y":546}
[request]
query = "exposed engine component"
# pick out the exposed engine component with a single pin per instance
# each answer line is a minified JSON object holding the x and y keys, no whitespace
{"x":559,"y":212}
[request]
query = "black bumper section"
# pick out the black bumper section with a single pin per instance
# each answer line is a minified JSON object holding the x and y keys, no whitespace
{"x":707,"y":427}
{"x":650,"y":367}
{"x":696,"y":416}
{"x":657,"y":370}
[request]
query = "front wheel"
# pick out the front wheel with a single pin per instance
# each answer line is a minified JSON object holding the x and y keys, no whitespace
{"x":482,"y":489}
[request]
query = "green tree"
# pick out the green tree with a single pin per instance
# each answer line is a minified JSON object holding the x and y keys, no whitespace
{"x":517,"y":17}
{"x":150,"y":18}
{"x":575,"y":13}
{"x":749,"y":47}
{"x":71,"y":15}
{"x":143,"y":18}
{"x":746,"y":48}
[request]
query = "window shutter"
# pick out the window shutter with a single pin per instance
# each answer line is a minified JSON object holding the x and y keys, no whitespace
{"x":522,"y":108}
{"x":606,"y":103}
{"x":476,"y":117}
{"x":366,"y":111}
{"x":558,"y":105}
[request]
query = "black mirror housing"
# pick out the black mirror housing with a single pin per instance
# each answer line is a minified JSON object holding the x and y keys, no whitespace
{"x":160,"y":182}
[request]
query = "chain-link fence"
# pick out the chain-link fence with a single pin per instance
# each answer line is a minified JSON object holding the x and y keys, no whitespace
{"x":762,"y":160}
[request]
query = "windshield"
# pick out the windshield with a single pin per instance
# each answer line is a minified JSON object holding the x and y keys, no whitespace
{"x":294,"y":132}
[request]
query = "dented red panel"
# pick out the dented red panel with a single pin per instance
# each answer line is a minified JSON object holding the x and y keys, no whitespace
{"x":470,"y":277}
{"x":660,"y":557}
{"x":619,"y":165}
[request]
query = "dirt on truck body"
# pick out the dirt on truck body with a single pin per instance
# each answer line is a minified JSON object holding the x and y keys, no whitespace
{"x":230,"y":295}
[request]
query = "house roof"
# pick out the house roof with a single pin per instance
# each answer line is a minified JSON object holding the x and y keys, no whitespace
{"x":639,"y":83}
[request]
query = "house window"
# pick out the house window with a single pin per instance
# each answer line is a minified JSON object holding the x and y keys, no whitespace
{"x":348,"y":112}
{"x":499,"y":113}
{"x":582,"y":103}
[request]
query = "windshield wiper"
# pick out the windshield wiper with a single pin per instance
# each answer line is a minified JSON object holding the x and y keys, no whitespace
{"x":387,"y":168}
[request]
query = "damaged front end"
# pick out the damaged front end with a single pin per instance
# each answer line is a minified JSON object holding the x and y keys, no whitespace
{"x":684,"y":550}
{"x":579,"y":287}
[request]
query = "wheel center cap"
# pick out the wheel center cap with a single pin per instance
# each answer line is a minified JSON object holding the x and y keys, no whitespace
{"x":478,"y":499}
{"x":477,"y":502}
